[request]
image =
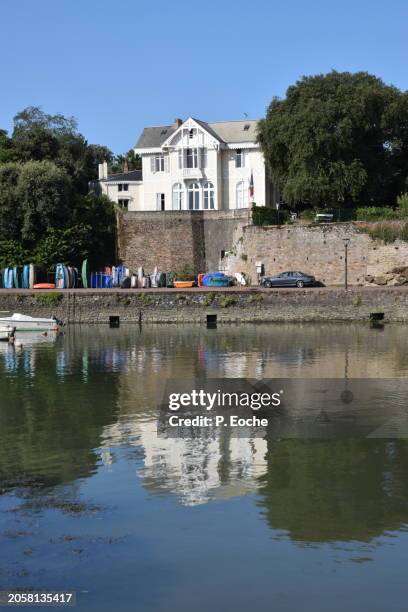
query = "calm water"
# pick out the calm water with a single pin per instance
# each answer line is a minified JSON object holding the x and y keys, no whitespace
{"x":92,"y":500}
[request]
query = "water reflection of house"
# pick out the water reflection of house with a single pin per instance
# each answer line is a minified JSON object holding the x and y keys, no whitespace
{"x":195,"y":470}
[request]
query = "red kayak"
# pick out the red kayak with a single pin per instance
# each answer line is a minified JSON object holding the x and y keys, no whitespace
{"x":44,"y":286}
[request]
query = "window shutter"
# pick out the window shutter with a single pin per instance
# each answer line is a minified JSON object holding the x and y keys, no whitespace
{"x":166,"y":163}
{"x":153,"y":163}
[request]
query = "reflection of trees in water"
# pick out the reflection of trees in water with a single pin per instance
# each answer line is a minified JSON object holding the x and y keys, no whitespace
{"x":50,"y":420}
{"x":327,"y":490}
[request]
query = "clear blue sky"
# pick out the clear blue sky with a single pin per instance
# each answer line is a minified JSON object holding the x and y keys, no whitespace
{"x":118,"y":66}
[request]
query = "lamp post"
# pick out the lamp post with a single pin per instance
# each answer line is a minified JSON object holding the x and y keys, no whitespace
{"x":346,"y":244}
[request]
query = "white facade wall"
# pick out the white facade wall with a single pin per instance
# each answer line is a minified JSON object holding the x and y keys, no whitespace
{"x":220,"y":170}
{"x":232,"y":176}
{"x":134,"y":194}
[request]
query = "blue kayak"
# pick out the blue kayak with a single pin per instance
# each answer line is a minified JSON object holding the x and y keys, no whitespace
{"x":216,"y":279}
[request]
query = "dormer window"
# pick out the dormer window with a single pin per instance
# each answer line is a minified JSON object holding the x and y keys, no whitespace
{"x":239,"y":158}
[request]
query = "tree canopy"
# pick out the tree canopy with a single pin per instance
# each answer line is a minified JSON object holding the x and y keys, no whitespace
{"x":338,"y":139}
{"x":46,"y":213}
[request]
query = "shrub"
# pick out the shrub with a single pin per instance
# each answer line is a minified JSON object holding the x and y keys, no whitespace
{"x":402,"y":202}
{"x":262,"y":215}
{"x":209,"y":299}
{"x":227,"y":301}
{"x":12,"y":253}
{"x":387,"y":232}
{"x":52,"y":298}
{"x":376,"y":213}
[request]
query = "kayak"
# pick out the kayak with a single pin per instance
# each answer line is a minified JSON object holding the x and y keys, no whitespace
{"x":85,"y":273}
{"x":183,"y":284}
{"x":44,"y":286}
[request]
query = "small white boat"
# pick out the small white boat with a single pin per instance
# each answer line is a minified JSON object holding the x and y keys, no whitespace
{"x":6,"y":332}
{"x":25,"y":323}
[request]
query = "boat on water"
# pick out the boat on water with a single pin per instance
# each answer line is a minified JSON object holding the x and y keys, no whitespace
{"x":23,"y":322}
{"x":6,"y":332}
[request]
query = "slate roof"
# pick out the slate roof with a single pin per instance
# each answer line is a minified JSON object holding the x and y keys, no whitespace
{"x":153,"y":137}
{"x":226,"y":131}
{"x":132,"y":175}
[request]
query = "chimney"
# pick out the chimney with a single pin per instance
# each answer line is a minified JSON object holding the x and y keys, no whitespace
{"x":178,"y":122}
{"x":103,"y":170}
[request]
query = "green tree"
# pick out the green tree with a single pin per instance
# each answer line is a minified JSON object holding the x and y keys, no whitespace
{"x":336,"y":139}
{"x":129,"y":160}
{"x":38,"y":136}
{"x":12,"y":253}
{"x":6,"y":148}
{"x":11,"y":215}
{"x":44,"y":193}
{"x":95,"y":220}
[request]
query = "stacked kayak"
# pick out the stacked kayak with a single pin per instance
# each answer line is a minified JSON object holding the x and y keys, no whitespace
{"x":119,"y":274}
{"x":8,"y":280}
{"x":100,"y":280}
{"x":66,"y":277}
{"x":28,"y":277}
{"x":18,"y":277}
{"x":215,"y":279}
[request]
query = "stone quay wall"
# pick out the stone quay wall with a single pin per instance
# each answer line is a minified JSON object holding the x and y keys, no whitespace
{"x":193,"y":306}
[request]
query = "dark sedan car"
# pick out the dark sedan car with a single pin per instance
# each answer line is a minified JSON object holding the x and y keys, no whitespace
{"x":288,"y":279}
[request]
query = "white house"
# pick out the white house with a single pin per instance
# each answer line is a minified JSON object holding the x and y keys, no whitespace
{"x":193,"y":165}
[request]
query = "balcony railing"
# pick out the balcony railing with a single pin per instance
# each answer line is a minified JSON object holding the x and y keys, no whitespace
{"x":192,"y":173}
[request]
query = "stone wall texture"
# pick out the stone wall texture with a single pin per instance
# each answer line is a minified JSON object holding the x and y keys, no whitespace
{"x":315,"y":249}
{"x":230,"y":305}
{"x":174,"y":239}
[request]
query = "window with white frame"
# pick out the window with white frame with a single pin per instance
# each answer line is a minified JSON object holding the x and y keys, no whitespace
{"x":242,"y":195}
{"x":123,"y":187}
{"x":239,"y":158}
{"x":208,"y":196}
{"x":123,"y":204}
{"x":192,"y":158}
{"x":193,"y":196}
{"x":160,"y":201}
{"x":178,"y":195}
{"x":159,"y":163}
{"x":203,"y":157}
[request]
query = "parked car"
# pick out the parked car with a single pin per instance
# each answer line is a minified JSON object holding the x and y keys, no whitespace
{"x":288,"y":279}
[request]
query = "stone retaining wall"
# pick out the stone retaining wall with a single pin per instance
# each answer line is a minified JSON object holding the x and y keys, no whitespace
{"x":315,"y":249}
{"x":172,"y":240}
{"x":233,"y":305}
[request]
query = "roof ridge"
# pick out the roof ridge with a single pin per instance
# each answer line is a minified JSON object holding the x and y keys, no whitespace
{"x":232,"y":121}
{"x":159,"y":126}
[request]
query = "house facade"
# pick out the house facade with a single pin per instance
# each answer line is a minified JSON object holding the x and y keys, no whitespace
{"x":194,"y":165}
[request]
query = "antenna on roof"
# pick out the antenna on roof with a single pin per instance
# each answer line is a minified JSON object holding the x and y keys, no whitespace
{"x":246,"y":115}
